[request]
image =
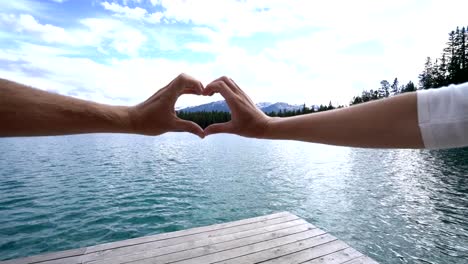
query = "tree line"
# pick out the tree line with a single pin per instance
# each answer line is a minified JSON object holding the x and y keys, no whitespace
{"x":206,"y":118}
{"x":450,"y":68}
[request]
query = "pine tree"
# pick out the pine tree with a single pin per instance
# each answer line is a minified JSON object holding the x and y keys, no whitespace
{"x":451,"y":51}
{"x":394,"y":87}
{"x":356,"y":100}
{"x":366,"y":96}
{"x":426,"y":78}
{"x":462,"y":51}
{"x":440,"y":77}
{"x":384,"y":90}
{"x":463,"y":54}
{"x":409,"y":87}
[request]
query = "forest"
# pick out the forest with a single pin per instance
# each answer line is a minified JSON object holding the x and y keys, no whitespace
{"x":450,"y":68}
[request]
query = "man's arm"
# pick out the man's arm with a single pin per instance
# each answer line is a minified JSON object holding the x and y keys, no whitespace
{"x":25,"y":111}
{"x":387,"y":123}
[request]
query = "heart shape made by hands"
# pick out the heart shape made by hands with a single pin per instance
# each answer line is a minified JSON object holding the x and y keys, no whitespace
{"x":157,"y":115}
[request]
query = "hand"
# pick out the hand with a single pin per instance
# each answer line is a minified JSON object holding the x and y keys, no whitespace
{"x":246,"y":119}
{"x":157,"y":116}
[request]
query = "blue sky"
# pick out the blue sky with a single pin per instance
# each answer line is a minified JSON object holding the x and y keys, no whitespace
{"x":298,"y":51}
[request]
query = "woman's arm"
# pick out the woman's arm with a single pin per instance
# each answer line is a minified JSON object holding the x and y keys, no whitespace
{"x":25,"y":111}
{"x":386,"y":123}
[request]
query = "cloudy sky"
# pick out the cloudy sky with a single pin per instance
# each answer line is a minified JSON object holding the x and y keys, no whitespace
{"x":296,"y":51}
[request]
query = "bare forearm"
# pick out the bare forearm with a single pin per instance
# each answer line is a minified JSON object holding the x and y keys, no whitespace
{"x":388,"y":123}
{"x":26,"y":111}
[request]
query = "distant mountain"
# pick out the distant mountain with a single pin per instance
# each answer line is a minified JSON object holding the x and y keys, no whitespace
{"x":221,"y":106}
{"x":276,"y":107}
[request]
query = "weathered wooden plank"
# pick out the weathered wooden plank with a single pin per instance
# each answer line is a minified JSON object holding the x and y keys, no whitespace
{"x":188,"y":242}
{"x":184,"y":239}
{"x":276,"y":238}
{"x":337,"y":257}
{"x":69,"y":255}
{"x":243,"y":248}
{"x":362,"y":260}
{"x":191,"y":231}
{"x":74,"y":256}
{"x":74,"y":260}
{"x":275,"y":252}
{"x":310,"y":253}
{"x":157,"y":248}
{"x":197,"y":254}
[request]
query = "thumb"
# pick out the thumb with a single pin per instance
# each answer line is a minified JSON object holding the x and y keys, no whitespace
{"x":218,"y":128}
{"x":189,"y":126}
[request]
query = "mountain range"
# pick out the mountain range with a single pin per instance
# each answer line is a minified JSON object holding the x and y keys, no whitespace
{"x":221,"y":106}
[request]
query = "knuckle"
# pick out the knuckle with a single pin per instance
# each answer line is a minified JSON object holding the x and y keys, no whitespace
{"x":217,"y":85}
{"x":225,"y":79}
{"x":182,"y":77}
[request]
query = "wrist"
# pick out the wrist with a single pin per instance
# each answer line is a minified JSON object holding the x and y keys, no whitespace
{"x":269,"y":129}
{"x":120,"y":119}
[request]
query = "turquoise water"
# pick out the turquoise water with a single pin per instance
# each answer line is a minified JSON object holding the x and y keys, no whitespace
{"x":398,"y":206}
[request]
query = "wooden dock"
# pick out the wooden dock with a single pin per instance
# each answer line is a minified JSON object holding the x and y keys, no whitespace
{"x":276,"y":238}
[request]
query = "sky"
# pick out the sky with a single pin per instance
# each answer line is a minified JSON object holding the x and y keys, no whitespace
{"x":296,"y":51}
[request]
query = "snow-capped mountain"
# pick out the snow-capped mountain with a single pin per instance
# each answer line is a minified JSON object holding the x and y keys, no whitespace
{"x":221,"y":106}
{"x":276,"y":107}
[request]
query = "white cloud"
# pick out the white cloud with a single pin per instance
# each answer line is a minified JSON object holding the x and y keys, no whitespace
{"x":406,"y":32}
{"x":128,"y":42}
{"x":127,"y":81}
{"x":154,"y":17}
{"x":28,"y":24}
{"x":136,"y":13}
{"x":138,"y":78}
{"x":98,"y":32}
{"x":122,"y":38}
{"x":309,"y":60}
{"x":125,"y":2}
{"x":132,"y":13}
{"x":48,"y":32}
{"x":25,"y":6}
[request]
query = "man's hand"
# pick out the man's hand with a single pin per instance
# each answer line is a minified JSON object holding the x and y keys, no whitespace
{"x":247,"y":120}
{"x":25,"y":111}
{"x":156,"y":115}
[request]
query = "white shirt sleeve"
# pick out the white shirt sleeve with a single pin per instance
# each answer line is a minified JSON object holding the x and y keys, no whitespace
{"x":443,"y":116}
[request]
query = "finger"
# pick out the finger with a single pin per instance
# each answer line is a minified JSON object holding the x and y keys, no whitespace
{"x":239,"y":90}
{"x":182,"y":84}
{"x":162,"y":90}
{"x":191,"y":91}
{"x":219,"y":87}
{"x":234,"y":87}
{"x":185,"y":81}
{"x":189,"y":126}
{"x":196,"y":89}
{"x":219,"y":128}
{"x":228,"y":81}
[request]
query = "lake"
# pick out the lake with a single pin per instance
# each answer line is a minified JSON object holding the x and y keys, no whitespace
{"x":397,"y":206}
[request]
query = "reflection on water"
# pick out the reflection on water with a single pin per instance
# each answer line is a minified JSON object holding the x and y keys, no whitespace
{"x":398,"y":206}
{"x":417,"y":205}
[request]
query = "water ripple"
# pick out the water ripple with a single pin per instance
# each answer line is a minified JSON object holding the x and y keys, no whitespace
{"x":398,"y":206}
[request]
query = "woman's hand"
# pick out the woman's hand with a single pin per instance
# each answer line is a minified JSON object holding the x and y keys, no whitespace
{"x":246,"y":119}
